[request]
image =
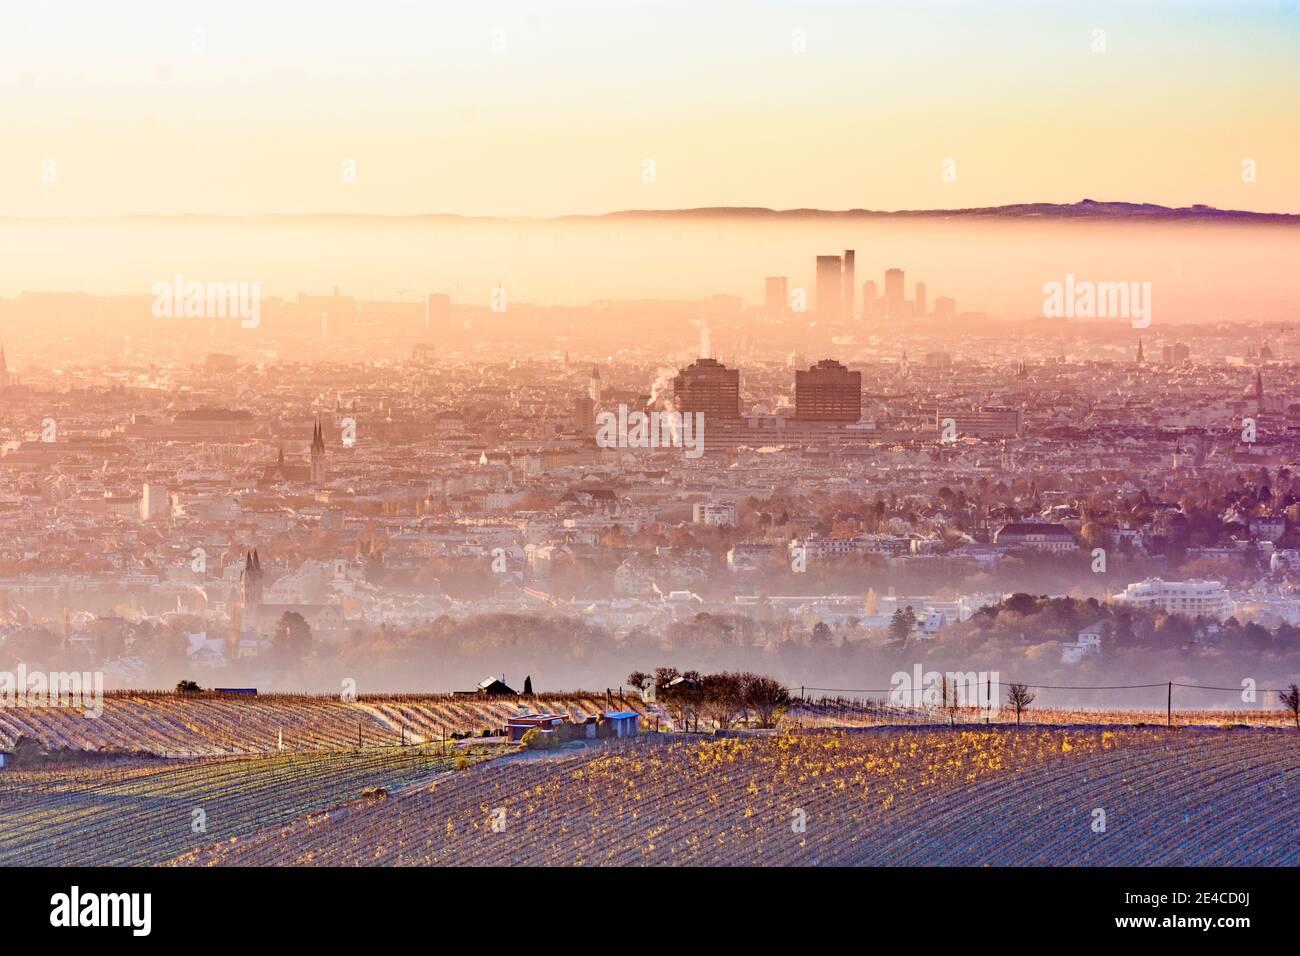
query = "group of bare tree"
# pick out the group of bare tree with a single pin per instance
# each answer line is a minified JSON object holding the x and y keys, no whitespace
{"x":720,"y":700}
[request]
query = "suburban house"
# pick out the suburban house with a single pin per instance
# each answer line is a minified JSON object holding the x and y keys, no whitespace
{"x":1086,"y":642}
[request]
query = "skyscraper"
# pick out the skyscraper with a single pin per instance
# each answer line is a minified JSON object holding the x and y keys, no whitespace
{"x":920,"y":298}
{"x":584,"y":416}
{"x":849,"y":292}
{"x":776,"y":296}
{"x":829,"y":287}
{"x":894,"y":294}
{"x":437,"y":309}
{"x":869,"y":300}
{"x":945,"y":308}
{"x":708,"y":386}
{"x":828,"y":392}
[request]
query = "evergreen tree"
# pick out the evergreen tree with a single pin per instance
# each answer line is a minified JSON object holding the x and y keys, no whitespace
{"x":901,"y":626}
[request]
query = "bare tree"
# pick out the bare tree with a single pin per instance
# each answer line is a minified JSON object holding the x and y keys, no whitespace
{"x":1020,"y":697}
{"x":768,"y":698}
{"x":722,"y":698}
{"x":1291,"y":701}
{"x":640,"y":680}
{"x":683,"y":695}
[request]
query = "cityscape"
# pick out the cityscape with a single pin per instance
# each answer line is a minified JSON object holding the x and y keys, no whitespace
{"x":932,"y":474}
{"x":634,"y":436}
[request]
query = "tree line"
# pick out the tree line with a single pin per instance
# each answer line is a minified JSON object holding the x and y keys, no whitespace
{"x":722,"y":699}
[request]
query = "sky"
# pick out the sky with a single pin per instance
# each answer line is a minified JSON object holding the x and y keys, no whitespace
{"x":244,"y":107}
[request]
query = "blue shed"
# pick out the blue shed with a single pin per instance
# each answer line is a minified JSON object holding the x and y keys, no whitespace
{"x":623,"y":723}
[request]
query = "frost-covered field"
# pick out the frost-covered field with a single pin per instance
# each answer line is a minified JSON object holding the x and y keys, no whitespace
{"x":175,"y":725}
{"x":922,"y":796}
{"x":145,"y":812}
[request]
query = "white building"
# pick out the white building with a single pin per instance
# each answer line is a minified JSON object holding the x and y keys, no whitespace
{"x":714,"y":513}
{"x":1189,"y":598}
{"x":155,"y":502}
{"x":1087,"y":642}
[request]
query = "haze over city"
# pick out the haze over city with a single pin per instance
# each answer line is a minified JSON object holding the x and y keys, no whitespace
{"x":649,"y":434}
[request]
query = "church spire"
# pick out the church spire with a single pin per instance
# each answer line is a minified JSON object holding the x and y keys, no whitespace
{"x":318,"y":454}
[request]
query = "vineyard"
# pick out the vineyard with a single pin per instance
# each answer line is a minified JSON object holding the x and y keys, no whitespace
{"x":829,"y":712}
{"x":200,"y":725}
{"x":149,"y":811}
{"x":961,"y":796}
{"x":208,"y":725}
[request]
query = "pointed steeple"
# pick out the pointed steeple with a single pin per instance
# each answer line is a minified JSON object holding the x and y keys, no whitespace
{"x":1259,"y":386}
{"x":1140,"y":359}
{"x":318,"y":454}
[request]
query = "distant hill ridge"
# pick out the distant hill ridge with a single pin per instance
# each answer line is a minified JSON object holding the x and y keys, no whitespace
{"x":1084,"y":210}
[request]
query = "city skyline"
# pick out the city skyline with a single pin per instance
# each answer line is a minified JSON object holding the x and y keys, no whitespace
{"x":750,"y":433}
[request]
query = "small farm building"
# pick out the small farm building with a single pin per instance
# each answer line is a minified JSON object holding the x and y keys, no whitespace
{"x":496,"y":687}
{"x":518,"y":726}
{"x":623,"y":723}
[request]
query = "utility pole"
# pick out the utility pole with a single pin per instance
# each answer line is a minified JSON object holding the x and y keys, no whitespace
{"x":1169,"y":706}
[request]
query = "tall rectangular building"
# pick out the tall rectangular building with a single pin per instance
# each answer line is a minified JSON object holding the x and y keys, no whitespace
{"x":708,"y":386}
{"x":849,"y":292}
{"x":920,"y":298}
{"x":945,"y":308}
{"x":437,"y":309}
{"x":829,"y":287}
{"x":870,"y":302}
{"x":776,"y":296}
{"x":828,"y":392}
{"x":584,"y":416}
{"x":894,"y":293}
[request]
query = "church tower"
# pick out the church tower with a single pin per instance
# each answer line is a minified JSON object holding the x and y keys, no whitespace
{"x":318,"y":455}
{"x":250,"y":583}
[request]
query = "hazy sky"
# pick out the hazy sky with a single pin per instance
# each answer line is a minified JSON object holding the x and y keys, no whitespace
{"x":529,"y":108}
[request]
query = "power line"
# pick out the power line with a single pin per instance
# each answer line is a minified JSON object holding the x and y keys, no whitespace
{"x":889,"y":690}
